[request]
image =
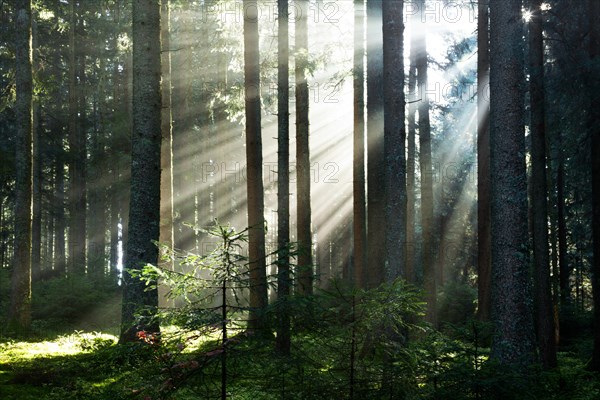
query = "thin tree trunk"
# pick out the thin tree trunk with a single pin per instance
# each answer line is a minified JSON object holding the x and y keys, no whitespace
{"x":375,"y":146}
{"x":305,"y":267}
{"x":283,"y":177}
{"x":59,"y":210}
{"x":77,"y":153}
{"x":256,"y":219}
{"x":426,"y":173}
{"x":565,"y":270}
{"x":394,"y":139}
{"x":514,"y":342}
{"x":144,"y":211}
{"x":19,"y":313}
{"x":410,"y":167}
{"x":166,"y":158}
{"x":594,"y":128}
{"x":543,"y":295}
{"x":36,"y":229}
{"x":483,"y":164}
{"x":359,"y":196}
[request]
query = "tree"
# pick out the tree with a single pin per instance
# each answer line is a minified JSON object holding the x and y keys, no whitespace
{"x":77,"y":148}
{"x":594,"y":131}
{"x":20,"y":299}
{"x":426,"y":171}
{"x":166,"y":149}
{"x":256,"y":219}
{"x":283,"y":176}
{"x":144,"y":212}
{"x":411,"y":197}
{"x":358,"y":189}
{"x":375,"y":146}
{"x":394,"y":139}
{"x":483,"y":163}
{"x":511,"y":293}
{"x":305,"y":268}
{"x":543,"y":296}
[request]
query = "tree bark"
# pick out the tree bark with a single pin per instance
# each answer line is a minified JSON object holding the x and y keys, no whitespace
{"x":19,"y":313}
{"x":358,"y":170}
{"x":394,"y":139}
{"x":283,"y":177}
{"x":411,"y":197}
{"x":166,"y":149}
{"x":144,"y":212}
{"x":594,"y":131}
{"x":513,"y":342}
{"x":426,"y":173}
{"x":375,"y":146}
{"x":543,"y":295}
{"x":305,"y":267}
{"x":256,"y":218}
{"x":483,"y":164}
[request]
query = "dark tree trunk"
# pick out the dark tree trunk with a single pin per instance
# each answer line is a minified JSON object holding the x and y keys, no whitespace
{"x":426,"y":174}
{"x":543,"y":295}
{"x":594,"y":131}
{"x":565,"y":270}
{"x":19,"y":313}
{"x":411,"y":197}
{"x":144,"y":212}
{"x":483,"y":164}
{"x":358,"y":188}
{"x":514,"y":342}
{"x":283,"y":177}
{"x":166,"y":149}
{"x":394,"y":139}
{"x":59,"y":209}
{"x":77,"y":153}
{"x":375,"y":149}
{"x":305,"y":267}
{"x":256,"y":218}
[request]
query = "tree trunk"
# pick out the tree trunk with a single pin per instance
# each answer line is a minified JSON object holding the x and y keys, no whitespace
{"x":543,"y":295}
{"x":511,"y":293}
{"x":565,"y":270}
{"x":394,"y":139}
{"x":375,"y":146}
{"x":144,"y":212}
{"x":59,"y":210}
{"x":283,"y":177}
{"x":594,"y":131}
{"x":305,"y":267}
{"x":256,"y":218}
{"x":426,"y":172}
{"x":410,"y":167}
{"x":19,"y":313}
{"x":166,"y":157}
{"x":483,"y":163}
{"x":77,"y":153}
{"x":359,"y":196}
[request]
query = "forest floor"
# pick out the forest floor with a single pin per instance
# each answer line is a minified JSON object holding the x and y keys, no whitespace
{"x":91,"y":366}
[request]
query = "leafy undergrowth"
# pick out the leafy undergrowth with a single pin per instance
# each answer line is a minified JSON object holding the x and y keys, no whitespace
{"x":92,"y":366}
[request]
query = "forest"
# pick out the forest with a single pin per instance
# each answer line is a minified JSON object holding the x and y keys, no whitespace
{"x":299,"y":199}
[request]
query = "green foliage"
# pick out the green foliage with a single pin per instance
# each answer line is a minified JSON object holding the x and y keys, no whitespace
{"x":456,"y":303}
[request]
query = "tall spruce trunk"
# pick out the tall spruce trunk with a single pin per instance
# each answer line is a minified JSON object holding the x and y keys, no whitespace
{"x":539,"y":190}
{"x":166,"y":149}
{"x":144,"y":211}
{"x":426,"y":173}
{"x":358,"y":170}
{"x":411,"y":196}
{"x":514,"y":342}
{"x":19,"y":313}
{"x":394,"y":139}
{"x":283,"y":177}
{"x":254,"y":159}
{"x":303,"y":210}
{"x":77,"y":151}
{"x":594,"y":131}
{"x":483,"y":164}
{"x":375,"y":146}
